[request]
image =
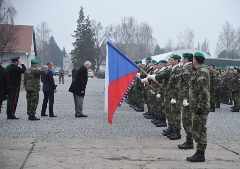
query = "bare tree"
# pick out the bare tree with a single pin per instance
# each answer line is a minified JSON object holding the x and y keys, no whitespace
{"x":169,"y":46}
{"x":42,"y":37}
{"x":205,"y":46}
{"x":8,"y":32}
{"x":186,"y":39}
{"x":237,"y":43}
{"x":226,"y":39}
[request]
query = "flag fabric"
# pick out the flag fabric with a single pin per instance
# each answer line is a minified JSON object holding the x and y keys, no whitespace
{"x":119,"y":73}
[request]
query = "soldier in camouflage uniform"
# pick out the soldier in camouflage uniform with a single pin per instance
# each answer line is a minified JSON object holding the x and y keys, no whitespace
{"x":224,"y":88}
{"x":199,"y":94}
{"x":229,"y":85}
{"x":32,"y":86}
{"x":213,"y":84}
{"x":61,"y":76}
{"x":218,"y":87}
{"x":236,"y":89}
{"x":173,"y":89}
{"x":184,"y":86}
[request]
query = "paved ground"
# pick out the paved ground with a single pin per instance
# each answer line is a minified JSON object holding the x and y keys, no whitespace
{"x":130,"y":142}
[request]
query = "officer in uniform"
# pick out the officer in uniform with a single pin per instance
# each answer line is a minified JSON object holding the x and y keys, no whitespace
{"x":14,"y":73}
{"x":184,"y":85}
{"x":32,"y":86}
{"x":236,"y":89}
{"x":199,"y":94}
{"x":61,"y":76}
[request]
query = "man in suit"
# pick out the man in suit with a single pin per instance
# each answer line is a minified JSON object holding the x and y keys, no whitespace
{"x":3,"y":84}
{"x":78,"y":87}
{"x":49,"y":88}
{"x":14,"y":73}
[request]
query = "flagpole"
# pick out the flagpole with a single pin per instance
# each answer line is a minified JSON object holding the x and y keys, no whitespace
{"x":148,"y":84}
{"x":161,"y":86}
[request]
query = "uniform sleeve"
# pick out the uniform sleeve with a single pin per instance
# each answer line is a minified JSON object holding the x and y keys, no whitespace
{"x":186,"y":78}
{"x":50,"y":76}
{"x":203,"y":87}
{"x":43,"y":71}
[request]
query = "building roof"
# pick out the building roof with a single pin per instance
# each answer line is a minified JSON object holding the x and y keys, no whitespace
{"x":25,"y":38}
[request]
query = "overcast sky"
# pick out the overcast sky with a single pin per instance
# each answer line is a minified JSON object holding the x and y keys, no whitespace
{"x":167,"y":17}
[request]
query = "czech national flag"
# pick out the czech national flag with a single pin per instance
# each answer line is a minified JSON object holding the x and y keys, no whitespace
{"x":119,"y":73}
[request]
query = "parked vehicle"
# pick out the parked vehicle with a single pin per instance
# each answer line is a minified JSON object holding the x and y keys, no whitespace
{"x":90,"y":73}
{"x":101,"y":74}
{"x":56,"y":71}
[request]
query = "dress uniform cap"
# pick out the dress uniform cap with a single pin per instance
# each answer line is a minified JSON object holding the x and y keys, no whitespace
{"x":198,"y":54}
{"x":140,"y":61}
{"x":175,"y":56}
{"x":35,"y":61}
{"x":187,"y":55}
{"x":15,"y":58}
{"x":154,"y":61}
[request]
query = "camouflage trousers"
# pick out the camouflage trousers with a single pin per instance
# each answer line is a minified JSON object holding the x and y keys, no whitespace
{"x":32,"y":102}
{"x":236,"y":99}
{"x":187,"y":122}
{"x":152,"y":103}
{"x":200,"y":130}
{"x":225,"y":94}
{"x":160,"y":108}
{"x":140,"y":98}
{"x":148,"y":100}
{"x":212,"y":99}
{"x":61,"y":77}
{"x":176,"y":116}
{"x":167,"y":112}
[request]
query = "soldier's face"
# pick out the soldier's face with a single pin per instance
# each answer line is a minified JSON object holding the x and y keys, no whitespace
{"x":173,"y":61}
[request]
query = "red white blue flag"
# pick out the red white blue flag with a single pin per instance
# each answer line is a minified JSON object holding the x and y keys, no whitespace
{"x":120,"y":72}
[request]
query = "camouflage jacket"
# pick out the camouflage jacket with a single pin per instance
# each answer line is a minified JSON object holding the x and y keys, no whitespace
{"x":213,"y":80}
{"x":61,"y":72}
{"x":32,"y":78}
{"x":235,"y":82}
{"x":199,"y":91}
{"x":185,"y":80}
{"x":173,"y":84}
{"x":164,"y":75}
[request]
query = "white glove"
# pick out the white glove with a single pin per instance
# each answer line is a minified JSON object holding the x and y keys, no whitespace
{"x":151,"y":77}
{"x":153,"y":92}
{"x":173,"y":101}
{"x":138,"y":74}
{"x":185,"y":103}
{"x":158,"y":96}
{"x":145,"y":80}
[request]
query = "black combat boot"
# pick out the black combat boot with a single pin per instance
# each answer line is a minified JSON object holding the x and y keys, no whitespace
{"x":197,"y":157}
{"x":175,"y":136}
{"x":154,"y":120}
{"x":150,"y":116}
{"x":145,"y":114}
{"x":33,"y":117}
{"x":186,"y":145}
{"x":168,"y":132}
{"x":230,"y":103}
{"x":217,"y":105}
{"x":162,"y":123}
{"x":139,"y":110}
{"x":235,"y":110}
{"x":212,"y":109}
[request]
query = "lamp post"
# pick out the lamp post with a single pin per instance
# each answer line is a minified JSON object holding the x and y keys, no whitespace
{"x":27,"y":55}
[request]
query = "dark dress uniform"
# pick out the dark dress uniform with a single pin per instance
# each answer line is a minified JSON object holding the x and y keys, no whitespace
{"x":3,"y":85}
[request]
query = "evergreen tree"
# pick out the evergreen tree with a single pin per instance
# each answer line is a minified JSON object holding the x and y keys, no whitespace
{"x":54,"y":53}
{"x":157,"y":50}
{"x":84,"y":46}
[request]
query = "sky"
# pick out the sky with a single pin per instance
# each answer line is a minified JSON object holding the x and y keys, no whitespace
{"x":168,"y":18}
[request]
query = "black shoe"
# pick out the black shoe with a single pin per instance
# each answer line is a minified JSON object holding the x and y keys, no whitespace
{"x":139,"y":110}
{"x":12,"y":117}
{"x":168,"y":133}
{"x":217,"y":105}
{"x":44,"y":115}
{"x":165,"y":130}
{"x":234,"y":110}
{"x":33,"y":117}
{"x":161,"y":124}
{"x":175,"y":136}
{"x":230,"y":103}
{"x":52,"y":115}
{"x":150,"y":116}
{"x":186,"y":145}
{"x":197,"y":157}
{"x":212,"y":110}
{"x":146,"y":113}
{"x":81,"y":115}
{"x":232,"y":107}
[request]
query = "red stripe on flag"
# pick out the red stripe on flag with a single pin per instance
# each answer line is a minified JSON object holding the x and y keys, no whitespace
{"x":116,"y":92}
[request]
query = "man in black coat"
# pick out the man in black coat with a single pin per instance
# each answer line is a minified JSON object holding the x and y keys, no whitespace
{"x":3,"y":84}
{"x":14,"y":75}
{"x":78,"y":87}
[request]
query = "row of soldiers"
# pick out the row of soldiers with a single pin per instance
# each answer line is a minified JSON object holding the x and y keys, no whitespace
{"x":169,"y":90}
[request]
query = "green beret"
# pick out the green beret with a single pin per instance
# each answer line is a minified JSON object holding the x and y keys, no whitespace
{"x":235,"y":67}
{"x":154,"y":61}
{"x":162,"y":61}
{"x":149,"y":58}
{"x":187,"y":55}
{"x":175,"y":56}
{"x":34,"y":61}
{"x":198,"y":54}
{"x":140,"y":61}
{"x":8,"y":64}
